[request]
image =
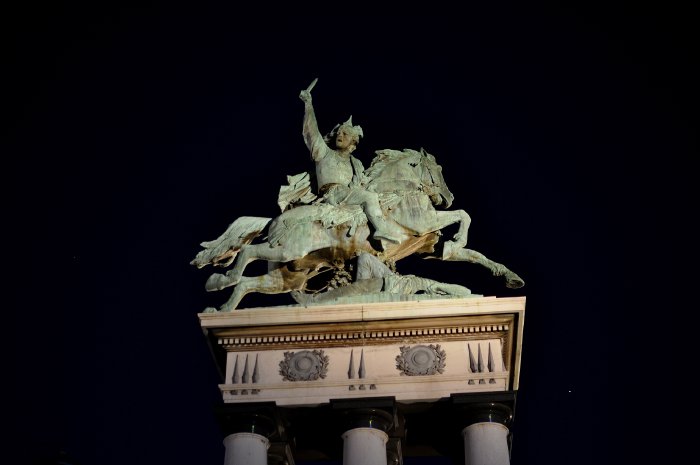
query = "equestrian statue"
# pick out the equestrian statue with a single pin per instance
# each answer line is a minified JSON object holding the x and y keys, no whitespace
{"x":339,"y":243}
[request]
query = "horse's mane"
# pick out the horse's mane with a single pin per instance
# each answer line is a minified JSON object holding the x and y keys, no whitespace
{"x":388,"y":157}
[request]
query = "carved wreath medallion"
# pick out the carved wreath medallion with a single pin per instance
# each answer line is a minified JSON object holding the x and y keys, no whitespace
{"x":306,"y":365}
{"x":421,"y":360}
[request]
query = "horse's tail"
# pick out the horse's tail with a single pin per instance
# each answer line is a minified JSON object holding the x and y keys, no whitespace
{"x":223,"y":250}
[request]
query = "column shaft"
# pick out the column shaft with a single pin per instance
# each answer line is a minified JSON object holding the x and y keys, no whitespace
{"x":246,"y":449}
{"x":486,"y":443}
{"x":364,"y":446}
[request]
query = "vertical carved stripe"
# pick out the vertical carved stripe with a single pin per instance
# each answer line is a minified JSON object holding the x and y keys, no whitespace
{"x":480,"y":359}
{"x":245,"y":370}
{"x":234,"y":378}
{"x":256,"y":374}
{"x":480,"y":363}
{"x":362,"y":371}
{"x":472,"y":363}
{"x":351,"y":368}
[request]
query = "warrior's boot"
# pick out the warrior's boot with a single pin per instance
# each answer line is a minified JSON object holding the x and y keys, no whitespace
{"x":384,"y":229}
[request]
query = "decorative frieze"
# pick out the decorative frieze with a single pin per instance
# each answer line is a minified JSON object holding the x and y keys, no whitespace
{"x":236,"y":343}
{"x":413,"y":355}
{"x":406,"y":372}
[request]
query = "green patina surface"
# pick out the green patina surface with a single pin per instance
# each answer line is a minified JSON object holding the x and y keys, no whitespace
{"x":349,"y":226}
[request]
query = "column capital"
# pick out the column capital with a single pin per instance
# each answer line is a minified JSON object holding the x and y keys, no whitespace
{"x":486,"y":408}
{"x":377,"y":413}
{"x":257,"y":418}
{"x":368,"y":418}
{"x":488,"y":412}
{"x":258,"y":437}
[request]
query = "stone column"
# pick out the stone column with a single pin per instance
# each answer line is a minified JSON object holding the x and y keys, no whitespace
{"x":247,"y":434}
{"x":364,"y":446}
{"x":364,"y":443}
{"x":486,"y":437}
{"x":246,"y":449}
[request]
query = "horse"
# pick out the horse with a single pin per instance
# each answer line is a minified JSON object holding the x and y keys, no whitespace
{"x":309,"y":239}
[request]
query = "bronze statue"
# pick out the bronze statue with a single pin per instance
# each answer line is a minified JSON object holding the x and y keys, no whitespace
{"x":378,"y":215}
{"x":340,"y":176}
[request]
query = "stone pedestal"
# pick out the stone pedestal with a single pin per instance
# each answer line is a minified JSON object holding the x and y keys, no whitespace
{"x":414,"y":353}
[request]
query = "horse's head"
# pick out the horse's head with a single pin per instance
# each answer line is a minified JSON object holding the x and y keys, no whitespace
{"x":408,"y":170}
{"x":433,"y":182}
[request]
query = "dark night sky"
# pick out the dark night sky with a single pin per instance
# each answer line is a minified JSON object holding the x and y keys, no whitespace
{"x":134,"y":134}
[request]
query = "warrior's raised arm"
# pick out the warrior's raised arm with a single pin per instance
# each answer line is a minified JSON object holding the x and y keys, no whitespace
{"x":312,"y":136}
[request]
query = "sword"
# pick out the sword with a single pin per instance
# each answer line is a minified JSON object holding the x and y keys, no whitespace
{"x":311,"y":86}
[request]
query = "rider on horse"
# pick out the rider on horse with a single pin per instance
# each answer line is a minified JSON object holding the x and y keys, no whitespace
{"x":340,"y":175}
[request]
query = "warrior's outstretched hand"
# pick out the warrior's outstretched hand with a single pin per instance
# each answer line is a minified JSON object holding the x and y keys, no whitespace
{"x":305,"y":95}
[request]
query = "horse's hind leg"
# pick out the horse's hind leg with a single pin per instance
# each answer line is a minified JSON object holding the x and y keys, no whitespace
{"x":513,"y":281}
{"x":271,"y":283}
{"x":247,"y":254}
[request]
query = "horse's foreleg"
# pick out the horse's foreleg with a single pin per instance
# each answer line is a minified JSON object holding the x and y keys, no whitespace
{"x":270,"y":283}
{"x":513,"y":281}
{"x":247,"y":254}
{"x":446,"y":218}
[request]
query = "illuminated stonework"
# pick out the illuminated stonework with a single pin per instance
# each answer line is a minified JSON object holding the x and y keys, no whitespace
{"x":307,"y":356}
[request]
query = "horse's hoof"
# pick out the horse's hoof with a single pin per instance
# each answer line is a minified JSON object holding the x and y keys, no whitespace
{"x":513,"y":281}
{"x":210,"y":310}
